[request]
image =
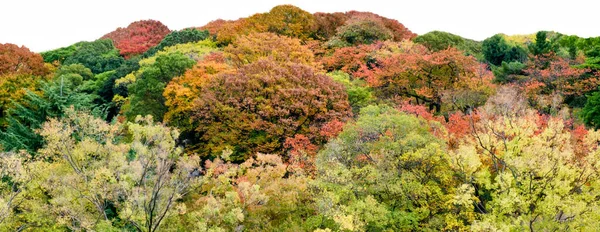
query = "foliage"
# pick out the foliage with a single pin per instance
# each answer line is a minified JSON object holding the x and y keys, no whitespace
{"x":99,"y":56}
{"x":509,"y":72}
{"x":56,"y":97}
{"x":591,"y":111}
{"x":146,"y":92}
{"x":496,"y":50}
{"x":286,"y":20}
{"x":387,"y":171}
{"x":258,"y":194}
{"x":138,"y":37}
{"x":523,"y":173}
{"x":95,"y":180}
{"x":439,"y":40}
{"x":360,"y":31}
{"x":20,"y":61}
{"x":193,"y":50}
{"x":248,"y":49}
{"x":359,"y":94}
{"x":184,"y":36}
{"x":255,"y":108}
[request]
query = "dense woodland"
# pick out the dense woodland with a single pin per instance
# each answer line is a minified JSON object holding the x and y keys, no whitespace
{"x":292,"y":121}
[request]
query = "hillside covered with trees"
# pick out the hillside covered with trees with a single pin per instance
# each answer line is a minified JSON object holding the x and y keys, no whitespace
{"x":292,"y":121}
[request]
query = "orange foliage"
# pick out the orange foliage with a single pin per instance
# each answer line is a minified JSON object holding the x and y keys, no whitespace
{"x":19,"y":60}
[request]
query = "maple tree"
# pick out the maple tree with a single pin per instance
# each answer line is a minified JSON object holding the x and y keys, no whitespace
{"x":255,"y":108}
{"x":138,"y":37}
{"x":431,"y":77}
{"x":19,"y":60}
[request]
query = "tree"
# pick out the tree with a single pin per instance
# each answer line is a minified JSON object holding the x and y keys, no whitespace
{"x":13,"y":89}
{"x":19,"y":60}
{"x":258,"y":194}
{"x":146,"y":92}
{"x":439,"y":40}
{"x":399,"y":32}
{"x":360,"y":31}
{"x":286,"y":20}
{"x":496,"y":50}
{"x":98,"y":181}
{"x":542,"y":45}
{"x":255,"y":108}
{"x":184,"y":36}
{"x":387,"y":171}
{"x":359,"y":94}
{"x":99,"y":56}
{"x":248,"y":49}
{"x":522,"y":173}
{"x":138,"y":37}
{"x":431,"y":77}
{"x":326,"y":24}
{"x":56,"y":96}
{"x":182,"y":90}
{"x":591,"y":111}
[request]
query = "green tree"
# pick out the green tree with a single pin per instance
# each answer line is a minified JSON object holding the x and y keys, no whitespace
{"x":146,"y":93}
{"x":56,"y":96}
{"x":439,"y":40}
{"x":99,"y":56}
{"x":542,"y":44}
{"x":495,"y":50}
{"x":184,"y":36}
{"x":387,"y":171}
{"x":99,"y":179}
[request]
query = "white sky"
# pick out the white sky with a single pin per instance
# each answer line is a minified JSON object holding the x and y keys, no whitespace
{"x":43,"y":24}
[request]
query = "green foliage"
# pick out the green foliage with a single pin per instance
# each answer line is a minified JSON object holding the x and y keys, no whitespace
{"x":591,"y":111}
{"x":99,"y":56}
{"x":60,"y":54}
{"x":193,"y":50}
{"x":94,"y":183}
{"x":508,"y":72}
{"x":387,"y":171}
{"x":57,"y":95}
{"x":184,"y":36}
{"x":359,"y":94}
{"x":542,"y":44}
{"x":439,"y":40}
{"x":495,"y":50}
{"x":146,"y":93}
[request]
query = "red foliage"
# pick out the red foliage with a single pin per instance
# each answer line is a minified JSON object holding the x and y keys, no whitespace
{"x":138,"y":37}
{"x":253,"y":108}
{"x":398,"y":30}
{"x":420,"y":111}
{"x":326,"y":24}
{"x":301,"y":153}
{"x":578,"y":136}
{"x":19,"y":60}
{"x":332,"y":129}
{"x":352,"y":60}
{"x":561,"y":77}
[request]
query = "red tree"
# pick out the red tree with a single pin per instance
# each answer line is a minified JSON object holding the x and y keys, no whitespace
{"x":138,"y":37}
{"x":19,"y":60}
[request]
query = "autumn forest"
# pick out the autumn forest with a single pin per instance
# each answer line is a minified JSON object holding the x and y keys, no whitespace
{"x":292,"y":121}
